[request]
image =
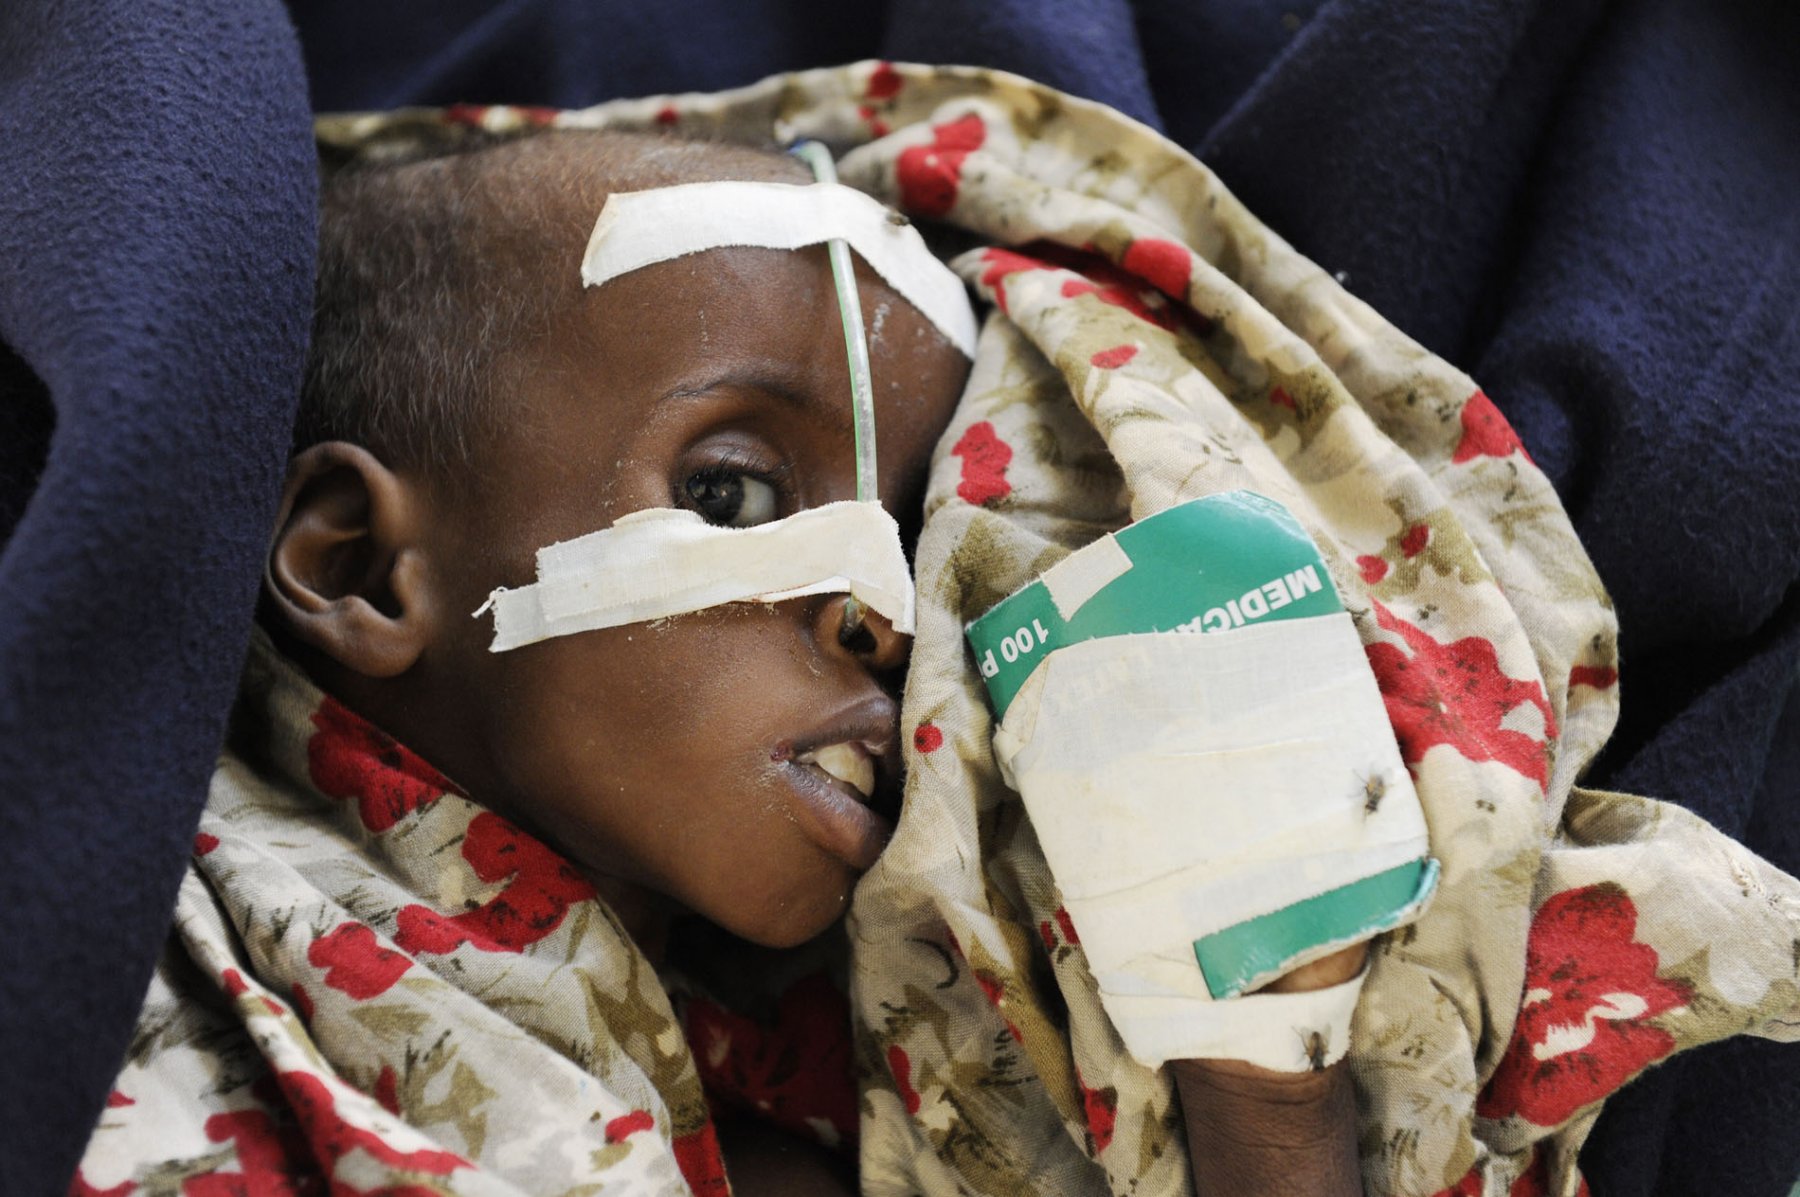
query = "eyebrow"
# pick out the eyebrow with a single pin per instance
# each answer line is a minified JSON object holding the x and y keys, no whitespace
{"x":775,"y":384}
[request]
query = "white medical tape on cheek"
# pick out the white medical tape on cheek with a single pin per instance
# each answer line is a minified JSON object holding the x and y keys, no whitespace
{"x":640,"y":228}
{"x":669,"y":561}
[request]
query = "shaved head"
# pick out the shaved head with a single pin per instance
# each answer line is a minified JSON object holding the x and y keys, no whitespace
{"x":435,"y":270}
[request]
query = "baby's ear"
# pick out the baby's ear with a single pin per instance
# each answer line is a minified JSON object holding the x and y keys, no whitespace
{"x":346,"y":571}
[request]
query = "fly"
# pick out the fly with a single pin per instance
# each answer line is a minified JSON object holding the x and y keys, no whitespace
{"x":1314,"y":1045}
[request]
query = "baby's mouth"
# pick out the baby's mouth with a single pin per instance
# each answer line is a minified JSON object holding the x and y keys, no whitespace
{"x":849,"y":763}
{"x":835,"y":786}
{"x":843,"y":776}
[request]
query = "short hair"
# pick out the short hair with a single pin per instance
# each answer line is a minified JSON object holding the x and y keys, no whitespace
{"x":432,"y":269}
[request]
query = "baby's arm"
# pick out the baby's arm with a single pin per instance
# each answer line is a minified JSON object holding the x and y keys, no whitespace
{"x":1255,"y":1131}
{"x":1221,"y":801}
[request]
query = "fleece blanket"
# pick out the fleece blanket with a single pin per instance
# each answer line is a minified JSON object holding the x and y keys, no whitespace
{"x":1587,"y":205}
{"x":156,"y":244}
{"x":348,"y":997}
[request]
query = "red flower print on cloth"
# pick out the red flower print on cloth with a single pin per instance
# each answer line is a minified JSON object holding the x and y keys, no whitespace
{"x":795,"y":1072}
{"x":1096,"y":276}
{"x":471,"y":115}
{"x":930,"y":175}
{"x":236,"y":987}
{"x":332,"y":1138}
{"x":79,"y":1187}
{"x":995,"y":989}
{"x":900,"y":1065}
{"x":984,"y":461}
{"x":1597,"y":676}
{"x":872,"y":117}
{"x":533,"y":904}
{"x":1001,"y":263}
{"x":272,"y":1158}
{"x":1373,"y":568}
{"x":1413,"y":542}
{"x":697,"y":1155}
{"x":1485,"y":432}
{"x":355,"y":962}
{"x":387,"y":1090}
{"x":350,"y":758}
{"x":1583,"y":1030}
{"x":1058,"y":936}
{"x":625,"y":1125}
{"x":1152,"y":262}
{"x":1112,"y":359}
{"x":1533,"y":1182}
{"x":1455,"y":694}
{"x":1111,"y":285}
{"x":475,"y":116}
{"x":1100,"y":1108}
{"x":928,"y":738}
{"x":204,"y":843}
{"x":1165,"y":265}
{"x":884,"y":83}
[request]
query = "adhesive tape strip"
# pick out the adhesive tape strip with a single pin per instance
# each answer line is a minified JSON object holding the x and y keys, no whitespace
{"x":639,"y":228}
{"x":1183,"y":784}
{"x":669,"y":561}
{"x":1205,"y":566}
{"x":1286,"y":1032}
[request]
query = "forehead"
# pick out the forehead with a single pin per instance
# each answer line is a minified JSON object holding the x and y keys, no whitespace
{"x":765,"y":319}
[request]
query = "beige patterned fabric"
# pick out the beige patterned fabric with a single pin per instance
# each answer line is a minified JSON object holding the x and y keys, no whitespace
{"x":376,"y":982}
{"x":1149,"y":341}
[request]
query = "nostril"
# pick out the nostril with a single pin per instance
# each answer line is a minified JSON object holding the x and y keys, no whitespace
{"x":853,"y":634}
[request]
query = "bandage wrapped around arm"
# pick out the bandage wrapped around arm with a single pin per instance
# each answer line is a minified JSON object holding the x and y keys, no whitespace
{"x":1218,"y":807}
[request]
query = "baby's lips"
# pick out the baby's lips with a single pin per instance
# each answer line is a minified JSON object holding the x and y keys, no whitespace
{"x":870,"y":723}
{"x":868,"y":730}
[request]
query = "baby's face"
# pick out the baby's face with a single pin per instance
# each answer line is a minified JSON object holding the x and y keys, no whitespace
{"x":665,"y":757}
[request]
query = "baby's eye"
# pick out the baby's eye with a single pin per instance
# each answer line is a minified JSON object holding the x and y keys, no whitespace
{"x":732,"y":498}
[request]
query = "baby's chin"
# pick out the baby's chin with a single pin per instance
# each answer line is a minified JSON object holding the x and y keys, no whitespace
{"x":790,"y":917}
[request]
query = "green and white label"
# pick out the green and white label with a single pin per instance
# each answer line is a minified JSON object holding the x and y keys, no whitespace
{"x":1206,"y":566}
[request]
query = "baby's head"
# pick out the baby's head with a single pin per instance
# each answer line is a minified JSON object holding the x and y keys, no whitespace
{"x":468,"y":402}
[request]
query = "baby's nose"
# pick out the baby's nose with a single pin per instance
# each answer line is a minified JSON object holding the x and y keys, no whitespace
{"x":864,"y":633}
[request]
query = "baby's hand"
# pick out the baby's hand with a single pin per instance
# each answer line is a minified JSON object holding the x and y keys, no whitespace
{"x":1225,"y":812}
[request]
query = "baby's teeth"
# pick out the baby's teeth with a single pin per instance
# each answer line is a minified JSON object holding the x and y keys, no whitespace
{"x":847,"y":765}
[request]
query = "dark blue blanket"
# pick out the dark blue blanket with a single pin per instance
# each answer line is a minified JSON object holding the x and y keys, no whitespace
{"x":156,"y":233}
{"x":1593,"y":208}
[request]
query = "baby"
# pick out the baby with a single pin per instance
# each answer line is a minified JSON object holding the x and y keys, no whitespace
{"x":469,"y":401}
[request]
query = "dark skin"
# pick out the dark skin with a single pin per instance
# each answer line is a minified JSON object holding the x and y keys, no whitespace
{"x":651,"y":755}
{"x":1254,"y":1131}
{"x":661,"y":758}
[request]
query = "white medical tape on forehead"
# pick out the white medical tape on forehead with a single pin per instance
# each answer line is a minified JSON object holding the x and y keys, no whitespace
{"x":670,"y":561}
{"x":640,"y":228}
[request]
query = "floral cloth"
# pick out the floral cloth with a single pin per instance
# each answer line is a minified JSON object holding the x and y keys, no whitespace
{"x":376,"y":985}
{"x":374,"y":980}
